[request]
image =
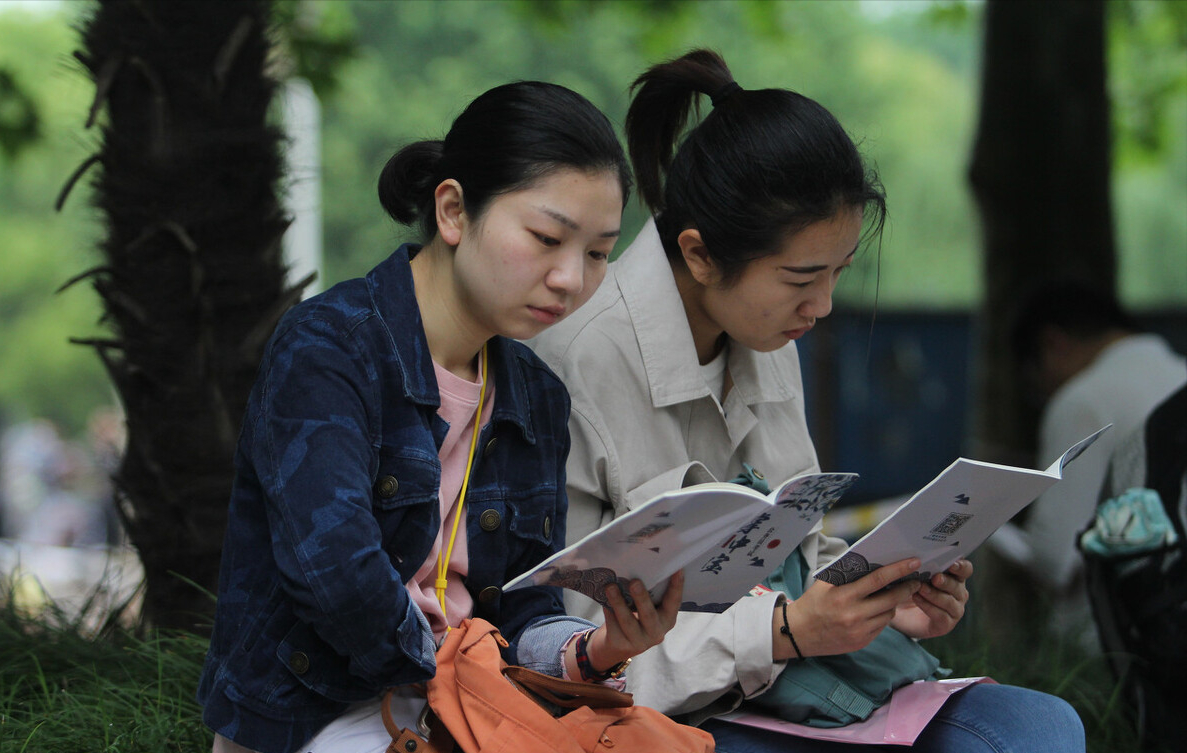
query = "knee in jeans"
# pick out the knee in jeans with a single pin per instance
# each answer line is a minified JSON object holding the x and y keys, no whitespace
{"x":1058,"y":716}
{"x":1063,"y":715}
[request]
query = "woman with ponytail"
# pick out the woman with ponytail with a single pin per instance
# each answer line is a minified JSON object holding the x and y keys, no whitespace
{"x":402,"y":456}
{"x":683,"y":369}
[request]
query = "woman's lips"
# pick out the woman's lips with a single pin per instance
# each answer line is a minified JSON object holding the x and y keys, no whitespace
{"x":795,"y":334}
{"x":547,"y":314}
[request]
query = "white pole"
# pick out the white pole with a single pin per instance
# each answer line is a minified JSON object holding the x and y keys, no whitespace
{"x":301,"y":191}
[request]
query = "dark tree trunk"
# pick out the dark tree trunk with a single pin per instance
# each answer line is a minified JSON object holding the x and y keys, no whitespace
{"x":193,"y":280}
{"x":1040,"y":174}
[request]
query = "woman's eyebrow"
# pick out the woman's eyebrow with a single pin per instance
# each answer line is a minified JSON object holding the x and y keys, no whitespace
{"x":816,"y":267}
{"x":572,"y":225}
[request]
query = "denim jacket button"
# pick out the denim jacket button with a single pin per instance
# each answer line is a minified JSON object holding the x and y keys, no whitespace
{"x":299,"y":663}
{"x":489,"y":520}
{"x":386,"y":487}
{"x":490,"y":447}
{"x":489,"y":594}
{"x":548,"y":526}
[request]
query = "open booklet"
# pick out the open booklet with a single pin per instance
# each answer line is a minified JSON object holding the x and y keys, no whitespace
{"x":724,"y":536}
{"x":727,"y":537}
{"x":950,"y":517}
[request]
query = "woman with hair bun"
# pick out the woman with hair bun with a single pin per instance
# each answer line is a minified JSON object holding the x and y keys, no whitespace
{"x":391,"y":408}
{"x":683,"y":369}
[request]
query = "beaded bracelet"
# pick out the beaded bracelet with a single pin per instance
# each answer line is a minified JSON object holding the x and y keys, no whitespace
{"x":786,"y":630}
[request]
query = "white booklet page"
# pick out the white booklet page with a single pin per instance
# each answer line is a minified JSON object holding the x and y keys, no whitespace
{"x":724,"y":536}
{"x":950,"y":517}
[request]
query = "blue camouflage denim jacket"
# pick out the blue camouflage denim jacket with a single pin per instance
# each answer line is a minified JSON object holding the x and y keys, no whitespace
{"x":335,"y":505}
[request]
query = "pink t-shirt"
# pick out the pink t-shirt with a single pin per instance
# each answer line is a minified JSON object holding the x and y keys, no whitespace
{"x":459,"y":401}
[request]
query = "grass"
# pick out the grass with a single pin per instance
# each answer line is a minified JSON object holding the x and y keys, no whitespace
{"x":67,"y":686}
{"x":1003,"y":635}
{"x":1049,"y":665}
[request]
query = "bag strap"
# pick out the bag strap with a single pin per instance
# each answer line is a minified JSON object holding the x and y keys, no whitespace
{"x":1166,"y":453}
{"x":567,"y":694}
{"x":405,"y":740}
{"x":848,"y":699}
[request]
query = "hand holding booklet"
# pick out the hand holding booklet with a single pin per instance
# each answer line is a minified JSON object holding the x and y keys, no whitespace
{"x":727,"y":537}
{"x":950,"y":517}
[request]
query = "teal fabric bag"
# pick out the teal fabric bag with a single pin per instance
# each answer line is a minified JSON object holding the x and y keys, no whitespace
{"x":832,"y":691}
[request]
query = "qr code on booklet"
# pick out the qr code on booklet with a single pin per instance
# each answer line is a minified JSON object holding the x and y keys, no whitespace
{"x":948,"y":526}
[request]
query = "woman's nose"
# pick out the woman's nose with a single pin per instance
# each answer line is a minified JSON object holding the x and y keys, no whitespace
{"x":819,"y":303}
{"x":568,"y":274}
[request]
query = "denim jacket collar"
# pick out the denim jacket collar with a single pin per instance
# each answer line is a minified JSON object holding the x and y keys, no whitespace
{"x":393,"y":297}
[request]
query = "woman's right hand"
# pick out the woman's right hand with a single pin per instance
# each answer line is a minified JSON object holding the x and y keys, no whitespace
{"x":625,"y":633}
{"x":830,"y":619}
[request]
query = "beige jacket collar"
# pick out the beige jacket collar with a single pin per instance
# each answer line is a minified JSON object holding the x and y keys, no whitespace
{"x":648,"y":289}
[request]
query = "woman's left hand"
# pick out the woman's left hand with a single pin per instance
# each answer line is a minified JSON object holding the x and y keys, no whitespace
{"x":938,"y":605}
{"x":627,"y":633}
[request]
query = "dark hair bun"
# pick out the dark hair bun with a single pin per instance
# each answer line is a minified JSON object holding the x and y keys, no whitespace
{"x":407,"y":179}
{"x":508,"y":137}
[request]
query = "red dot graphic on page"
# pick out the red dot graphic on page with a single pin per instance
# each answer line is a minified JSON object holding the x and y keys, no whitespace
{"x":772,"y":543}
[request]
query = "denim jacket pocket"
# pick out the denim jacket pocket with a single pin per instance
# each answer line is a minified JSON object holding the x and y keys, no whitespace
{"x":525,"y":514}
{"x":405,"y":476}
{"x":319,"y":668}
{"x":266,"y":620}
{"x":266,"y":674}
{"x":509,"y":527}
{"x":533,"y":513}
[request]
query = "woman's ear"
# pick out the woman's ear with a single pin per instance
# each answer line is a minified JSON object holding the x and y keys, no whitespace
{"x":696,"y":257}
{"x":451,"y":211}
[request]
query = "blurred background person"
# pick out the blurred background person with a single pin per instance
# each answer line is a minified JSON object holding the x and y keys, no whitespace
{"x":69,"y":514}
{"x":1088,"y":363}
{"x":1136,"y":568}
{"x":30,"y":458}
{"x":106,"y":436}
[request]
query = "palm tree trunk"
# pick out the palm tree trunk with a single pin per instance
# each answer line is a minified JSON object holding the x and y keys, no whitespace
{"x":193,"y":280}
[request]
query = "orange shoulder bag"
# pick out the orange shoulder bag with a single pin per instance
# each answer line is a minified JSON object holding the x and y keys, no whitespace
{"x":480,"y":704}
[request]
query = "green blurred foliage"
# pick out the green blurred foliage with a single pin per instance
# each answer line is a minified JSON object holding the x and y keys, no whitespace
{"x":1147,"y":47}
{"x":902,"y":77}
{"x":20,"y":125}
{"x":420,"y":62}
{"x":41,"y":373}
{"x":313,"y":40}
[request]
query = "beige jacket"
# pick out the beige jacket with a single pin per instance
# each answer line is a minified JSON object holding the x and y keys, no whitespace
{"x":644,"y":421}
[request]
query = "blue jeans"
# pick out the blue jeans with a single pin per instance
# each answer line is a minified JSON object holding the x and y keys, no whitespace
{"x":982,"y":718}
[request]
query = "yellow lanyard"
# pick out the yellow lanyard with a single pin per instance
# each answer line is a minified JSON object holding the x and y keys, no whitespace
{"x":443,"y":562}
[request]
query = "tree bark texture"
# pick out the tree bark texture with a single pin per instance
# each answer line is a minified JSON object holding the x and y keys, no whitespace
{"x":1040,"y":174}
{"x":193,"y":279}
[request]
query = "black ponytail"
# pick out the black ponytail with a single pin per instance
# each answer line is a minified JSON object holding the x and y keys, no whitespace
{"x":507,"y":138}
{"x":664,"y":97}
{"x":761,"y":166}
